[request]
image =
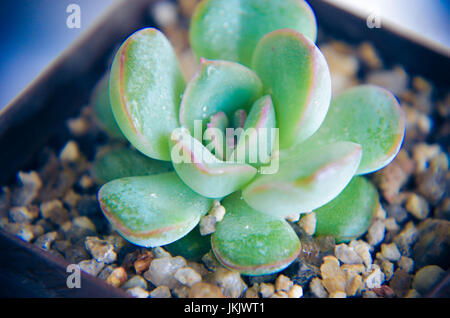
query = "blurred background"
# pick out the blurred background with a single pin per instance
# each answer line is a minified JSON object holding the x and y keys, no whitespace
{"x":34,"y":32}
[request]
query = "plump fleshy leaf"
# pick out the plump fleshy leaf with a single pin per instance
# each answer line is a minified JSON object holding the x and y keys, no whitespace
{"x":124,"y":162}
{"x":256,"y":142}
{"x":370,"y":116}
{"x":219,"y":86}
{"x":251,"y":242}
{"x":304,"y":181}
{"x":102,"y":108}
{"x":152,"y":210}
{"x":146,"y":84}
{"x":230,"y":29}
{"x":348,"y":216}
{"x":202,"y":171}
{"x":192,"y":246}
{"x":295,"y":73}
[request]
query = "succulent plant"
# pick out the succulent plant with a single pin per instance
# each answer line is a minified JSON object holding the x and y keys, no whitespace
{"x":291,"y":149}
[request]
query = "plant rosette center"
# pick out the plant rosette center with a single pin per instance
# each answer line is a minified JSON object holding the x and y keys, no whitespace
{"x":255,"y":128}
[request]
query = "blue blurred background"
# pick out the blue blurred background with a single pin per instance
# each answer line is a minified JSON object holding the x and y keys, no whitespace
{"x":34,"y":32}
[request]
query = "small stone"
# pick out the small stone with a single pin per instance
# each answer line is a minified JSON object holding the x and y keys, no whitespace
{"x":427,"y":277}
{"x":187,"y":276}
{"x":353,"y":285}
{"x":54,"y":211}
{"x":369,"y":55}
{"x":71,"y":198}
{"x":101,"y":250}
{"x":135,"y":281}
{"x":390,"y":252}
{"x":384,"y":291}
{"x":293,"y":217}
{"x":280,"y":294}
{"x":397,"y":212}
{"x":218,"y":211}
{"x":417,"y":206}
{"x":283,"y":283}
{"x":78,"y":126}
{"x":406,"y":238}
{"x":334,"y":284}
{"x":395,"y":80}
{"x":433,"y":244}
{"x":198,"y":267}
{"x":362,"y":248}
{"x":205,"y":290}
{"x":30,"y":184}
{"x":230,"y":282}
{"x":164,"y":13}
{"x":252,"y":292}
{"x":330,"y":267}
{"x":374,"y":278}
{"x":337,"y":294}
{"x":391,"y":225}
{"x":162,"y":271}
{"x":210,"y":261}
{"x":159,"y":252}
{"x":161,"y":292}
{"x":375,"y":234}
{"x":308,"y":223}
{"x":181,"y":292}
{"x":106,"y":271}
{"x":75,"y":253}
{"x":406,"y":263}
{"x":23,"y":214}
{"x":295,"y":292}
{"x":353,"y":269}
{"x":387,"y":268}
{"x":80,"y":228}
{"x":346,"y":254}
{"x":61,"y":245}
{"x":86,"y":181}
{"x":400,"y":283}
{"x":70,"y":152}
{"x":137,"y":292}
{"x":370,"y":294}
{"x":380,"y":212}
{"x":305,"y":273}
{"x":143,"y":261}
{"x":117,"y":277}
{"x":317,"y":288}
{"x":266,"y":290}
{"x":91,"y":266}
{"x":207,"y":224}
{"x":443,"y":210}
{"x":45,"y":241}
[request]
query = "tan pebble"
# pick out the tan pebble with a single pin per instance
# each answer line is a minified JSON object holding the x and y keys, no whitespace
{"x":374,"y":278}
{"x":388,"y":269}
{"x":346,"y":254}
{"x":117,"y":277}
{"x":406,"y":263}
{"x":207,"y":224}
{"x":390,"y":252}
{"x":252,"y":292}
{"x":353,"y":269}
{"x":78,"y":126}
{"x":71,"y":198}
{"x":353,"y":285}
{"x":369,"y":55}
{"x":334,"y":284}
{"x":293,"y":217}
{"x":86,"y":181}
{"x":308,"y":223}
{"x":181,"y":292}
{"x":230,"y":282}
{"x":380,"y":212}
{"x":338,"y":294}
{"x":205,"y":290}
{"x":280,"y":294}
{"x":362,"y":248}
{"x":417,"y":206}
{"x":421,"y":84}
{"x":70,"y":152}
{"x":23,"y":214}
{"x":283,"y":283}
{"x":330,"y":267}
{"x":317,"y":288}
{"x":376,"y":232}
{"x":266,"y":290}
{"x":165,"y":13}
{"x":391,"y":225}
{"x":218,"y":212}
{"x":295,"y":292}
{"x":369,"y":294}
{"x":143,"y":262}
{"x":161,"y":292}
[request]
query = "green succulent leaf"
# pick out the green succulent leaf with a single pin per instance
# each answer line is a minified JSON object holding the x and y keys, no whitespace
{"x":251,"y":242}
{"x":304,"y":181}
{"x":295,"y":73}
{"x":102,"y":108}
{"x":219,"y":86}
{"x":192,"y":246}
{"x":230,"y":29}
{"x":152,"y":210}
{"x":256,"y":142}
{"x":202,"y":171}
{"x":370,"y":116}
{"x":349,"y":215}
{"x":146,"y":85}
{"x":124,"y":162}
